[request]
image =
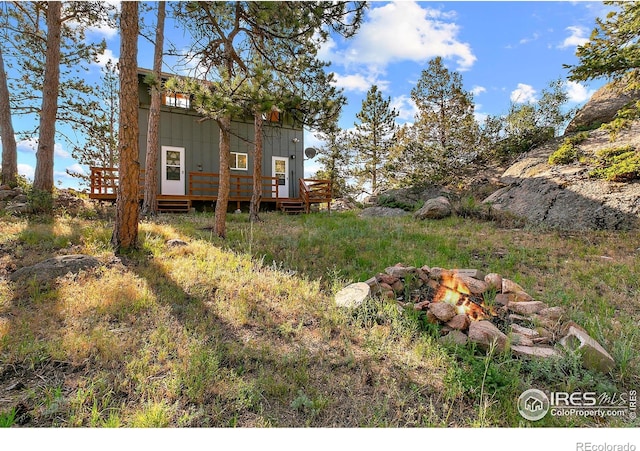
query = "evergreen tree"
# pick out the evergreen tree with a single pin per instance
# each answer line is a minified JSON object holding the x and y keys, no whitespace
{"x":335,"y":156}
{"x":446,"y":131}
{"x":51,"y":55}
{"x":613,"y":49}
{"x":150,"y":202}
{"x":101,"y":145}
{"x":527,"y":125}
{"x":9,"y":174}
{"x":372,"y":138}
{"x":125,"y":231}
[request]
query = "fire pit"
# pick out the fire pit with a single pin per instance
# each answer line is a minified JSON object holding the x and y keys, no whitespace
{"x":486,"y":309}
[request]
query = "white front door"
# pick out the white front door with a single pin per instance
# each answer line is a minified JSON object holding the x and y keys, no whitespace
{"x":280,"y":170}
{"x":172,"y":169}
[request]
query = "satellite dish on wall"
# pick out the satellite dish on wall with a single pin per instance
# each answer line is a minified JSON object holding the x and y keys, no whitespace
{"x":310,"y":152}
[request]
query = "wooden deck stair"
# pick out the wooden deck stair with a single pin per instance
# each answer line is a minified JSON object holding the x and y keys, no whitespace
{"x":292,"y":206}
{"x":175,"y":205}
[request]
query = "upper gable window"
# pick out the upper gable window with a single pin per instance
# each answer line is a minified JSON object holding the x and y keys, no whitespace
{"x":177,"y":99}
{"x":271,"y":116}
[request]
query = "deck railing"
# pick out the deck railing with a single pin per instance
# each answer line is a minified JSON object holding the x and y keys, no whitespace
{"x":104,"y":182}
{"x":315,"y":191}
{"x":204,"y":185}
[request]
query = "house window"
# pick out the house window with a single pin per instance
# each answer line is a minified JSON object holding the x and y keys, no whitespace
{"x":177,"y":99}
{"x":239,"y":161}
{"x":271,"y":116}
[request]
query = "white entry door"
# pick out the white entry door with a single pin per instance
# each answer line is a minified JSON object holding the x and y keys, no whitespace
{"x":172,"y":161}
{"x":280,"y":170}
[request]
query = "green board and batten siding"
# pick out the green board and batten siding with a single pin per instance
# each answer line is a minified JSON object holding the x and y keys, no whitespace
{"x":180,"y":127}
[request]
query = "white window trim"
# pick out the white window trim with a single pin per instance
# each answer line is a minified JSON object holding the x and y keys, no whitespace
{"x":234,"y":161}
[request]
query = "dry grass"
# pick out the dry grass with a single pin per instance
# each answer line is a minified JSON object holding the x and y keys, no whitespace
{"x":243,"y":332}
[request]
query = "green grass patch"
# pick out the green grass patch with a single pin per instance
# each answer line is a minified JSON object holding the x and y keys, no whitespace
{"x":243,"y":332}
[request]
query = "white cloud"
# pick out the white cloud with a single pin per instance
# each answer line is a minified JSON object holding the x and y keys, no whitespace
{"x":104,"y":31}
{"x":27,"y":145}
{"x":477,"y":90}
{"x":76,"y":169}
{"x":523,"y":94}
{"x":354,"y":82}
{"x":31,"y":146}
{"x":26,"y":170}
{"x":360,"y":83}
{"x":403,"y":31}
{"x":576,"y":38}
{"x":60,"y":152}
{"x":578,"y":93}
{"x":534,"y":37}
{"x":105,"y":57}
{"x":405,"y":106}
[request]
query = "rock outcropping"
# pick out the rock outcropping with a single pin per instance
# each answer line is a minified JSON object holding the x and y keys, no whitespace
{"x":564,"y":196}
{"x":602,"y":107}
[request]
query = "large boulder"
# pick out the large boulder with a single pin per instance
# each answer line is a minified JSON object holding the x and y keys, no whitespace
{"x":436,"y":208}
{"x":49,"y":269}
{"x":602,"y":107}
{"x":411,"y":197}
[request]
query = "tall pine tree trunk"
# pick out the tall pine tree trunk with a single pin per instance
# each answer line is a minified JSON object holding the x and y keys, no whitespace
{"x":125,"y":232}
{"x":256,"y":196}
{"x":43,"y":178}
{"x":225,"y":174}
{"x":9,"y":150}
{"x":150,"y":204}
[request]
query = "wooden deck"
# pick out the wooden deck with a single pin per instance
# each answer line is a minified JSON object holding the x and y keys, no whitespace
{"x":203,"y":187}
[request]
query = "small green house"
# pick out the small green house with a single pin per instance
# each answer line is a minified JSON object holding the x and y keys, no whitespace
{"x":189,"y":157}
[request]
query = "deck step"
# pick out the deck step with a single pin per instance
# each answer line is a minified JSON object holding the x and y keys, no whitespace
{"x":292,"y":207}
{"x":174,"y":205}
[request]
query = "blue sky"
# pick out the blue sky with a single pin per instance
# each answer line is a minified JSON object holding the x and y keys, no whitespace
{"x":504,"y":51}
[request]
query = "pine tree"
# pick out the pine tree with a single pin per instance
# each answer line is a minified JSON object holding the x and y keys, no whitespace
{"x":101,"y":145}
{"x":446,"y":129}
{"x":335,"y":156}
{"x":372,"y":138}
{"x":150,"y":204}
{"x":613,"y":50}
{"x":9,"y":174}
{"x":50,"y":54}
{"x":125,"y":232}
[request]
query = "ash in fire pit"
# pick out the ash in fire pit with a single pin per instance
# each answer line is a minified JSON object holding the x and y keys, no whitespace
{"x":487,"y":310}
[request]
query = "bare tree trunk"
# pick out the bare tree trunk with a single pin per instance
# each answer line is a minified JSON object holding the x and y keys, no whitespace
{"x":150,"y":204}
{"x":225,"y":174}
{"x":9,"y":152}
{"x":256,"y":196}
{"x":43,"y":178}
{"x":125,"y":232}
